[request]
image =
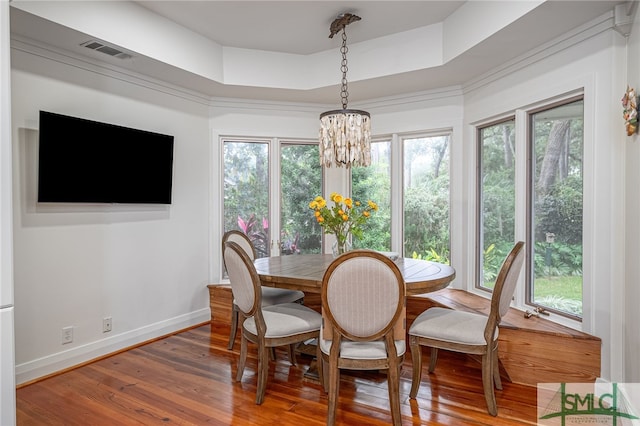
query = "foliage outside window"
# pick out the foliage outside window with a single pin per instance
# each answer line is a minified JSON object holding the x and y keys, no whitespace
{"x":426,"y":198}
{"x":300,"y":176}
{"x":496,"y":177}
{"x":374,"y":183}
{"x":246,"y":191}
{"x":557,"y":203}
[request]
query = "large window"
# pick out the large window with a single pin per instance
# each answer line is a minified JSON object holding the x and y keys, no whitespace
{"x":374,"y":183}
{"x":556,"y":176}
{"x":246,"y":191}
{"x":426,"y":198}
{"x":546,"y":199}
{"x":496,"y":200}
{"x":268,"y":184}
{"x":282,"y":225}
{"x":300,"y":182}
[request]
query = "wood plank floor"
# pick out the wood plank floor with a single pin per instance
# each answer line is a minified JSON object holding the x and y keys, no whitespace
{"x":187,"y":379}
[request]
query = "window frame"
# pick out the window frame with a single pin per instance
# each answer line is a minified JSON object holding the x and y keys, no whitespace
{"x":522,"y":211}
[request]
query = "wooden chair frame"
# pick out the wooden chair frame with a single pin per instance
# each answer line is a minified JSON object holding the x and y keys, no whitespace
{"x":335,"y":362}
{"x":488,"y":351}
{"x":235,"y":235}
{"x":259,"y":338}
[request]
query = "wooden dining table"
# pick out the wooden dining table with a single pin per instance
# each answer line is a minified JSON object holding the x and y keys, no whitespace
{"x":305,"y":272}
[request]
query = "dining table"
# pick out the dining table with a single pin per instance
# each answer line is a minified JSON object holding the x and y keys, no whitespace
{"x":305,"y":272}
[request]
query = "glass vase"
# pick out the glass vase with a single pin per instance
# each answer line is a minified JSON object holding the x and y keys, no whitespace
{"x":338,"y":249}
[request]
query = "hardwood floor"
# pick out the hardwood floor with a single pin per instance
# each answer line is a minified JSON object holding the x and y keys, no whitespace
{"x":187,"y":379}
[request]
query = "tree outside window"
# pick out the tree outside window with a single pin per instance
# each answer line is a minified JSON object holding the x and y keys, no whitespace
{"x":557,"y":201}
{"x":426,"y":198}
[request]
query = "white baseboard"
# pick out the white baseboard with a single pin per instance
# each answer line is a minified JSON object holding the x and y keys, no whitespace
{"x":53,"y":363}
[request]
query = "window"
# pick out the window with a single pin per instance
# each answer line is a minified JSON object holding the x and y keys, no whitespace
{"x":426,"y":198}
{"x":246,"y":191}
{"x":546,"y":199}
{"x":374,"y":183}
{"x":555,"y":197}
{"x":300,"y":182}
{"x":496,"y":198}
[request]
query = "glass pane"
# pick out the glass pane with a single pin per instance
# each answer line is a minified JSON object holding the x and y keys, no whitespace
{"x":496,"y":177}
{"x":426,"y":198}
{"x":557,"y":136}
{"x":300,"y":182}
{"x":246,"y":191}
{"x":374,"y":183}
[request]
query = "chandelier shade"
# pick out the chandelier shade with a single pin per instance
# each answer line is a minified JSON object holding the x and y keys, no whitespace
{"x":345,"y":134}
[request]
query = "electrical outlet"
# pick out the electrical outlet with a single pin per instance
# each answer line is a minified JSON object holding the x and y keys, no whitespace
{"x":67,"y":335}
{"x":106,"y":324}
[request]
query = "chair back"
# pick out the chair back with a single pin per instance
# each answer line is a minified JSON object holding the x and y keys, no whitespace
{"x":504,"y":288}
{"x":245,"y":282}
{"x":363,"y":295}
{"x":242,"y":240}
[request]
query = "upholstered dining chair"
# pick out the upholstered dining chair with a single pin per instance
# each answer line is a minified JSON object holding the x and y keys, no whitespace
{"x":270,"y":296}
{"x":467,"y":332}
{"x":268,"y":326}
{"x":363,"y":300}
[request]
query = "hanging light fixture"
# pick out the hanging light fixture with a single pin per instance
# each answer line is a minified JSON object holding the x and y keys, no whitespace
{"x":345,"y":134}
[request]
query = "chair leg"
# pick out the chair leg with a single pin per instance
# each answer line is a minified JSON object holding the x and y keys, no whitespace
{"x":292,"y":354}
{"x":334,"y":388}
{"x":321,"y":368}
{"x":487,"y":384}
{"x":416,"y":361}
{"x":433,"y":360}
{"x":496,"y":370}
{"x":234,"y":326}
{"x":243,"y":358}
{"x":393,"y":383}
{"x":263,"y":372}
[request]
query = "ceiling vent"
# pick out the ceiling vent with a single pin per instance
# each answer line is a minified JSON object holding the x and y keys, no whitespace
{"x":111,"y":51}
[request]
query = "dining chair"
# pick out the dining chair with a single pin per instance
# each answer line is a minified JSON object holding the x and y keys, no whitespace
{"x":363,"y":308}
{"x":266,"y":326}
{"x":270,"y":296}
{"x":467,"y":332}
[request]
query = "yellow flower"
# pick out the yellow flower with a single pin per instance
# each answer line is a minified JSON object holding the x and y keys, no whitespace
{"x":345,"y":219}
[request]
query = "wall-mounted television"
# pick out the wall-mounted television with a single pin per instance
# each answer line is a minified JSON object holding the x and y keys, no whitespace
{"x":84,"y":161}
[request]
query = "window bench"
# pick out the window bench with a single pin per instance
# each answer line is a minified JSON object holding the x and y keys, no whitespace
{"x":532,"y":350}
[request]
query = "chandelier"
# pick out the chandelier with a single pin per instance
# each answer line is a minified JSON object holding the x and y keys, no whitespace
{"x":345,"y":134}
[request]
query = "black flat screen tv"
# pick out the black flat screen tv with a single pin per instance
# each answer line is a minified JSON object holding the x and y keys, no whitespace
{"x":84,"y":161}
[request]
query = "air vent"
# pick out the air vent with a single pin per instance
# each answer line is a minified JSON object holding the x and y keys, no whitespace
{"x":108,"y":50}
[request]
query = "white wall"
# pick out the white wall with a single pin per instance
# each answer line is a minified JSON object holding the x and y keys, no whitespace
{"x":145,"y":266}
{"x":632,"y":278}
{"x":586,"y":65}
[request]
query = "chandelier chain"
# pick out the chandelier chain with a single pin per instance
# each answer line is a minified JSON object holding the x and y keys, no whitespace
{"x":344,"y":92}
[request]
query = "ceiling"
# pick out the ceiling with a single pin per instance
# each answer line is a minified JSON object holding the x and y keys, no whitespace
{"x":300,"y":29}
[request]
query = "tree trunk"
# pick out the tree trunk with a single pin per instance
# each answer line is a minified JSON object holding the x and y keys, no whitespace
{"x":555,"y":148}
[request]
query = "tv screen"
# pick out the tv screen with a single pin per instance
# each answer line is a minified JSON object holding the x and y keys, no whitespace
{"x":84,"y":161}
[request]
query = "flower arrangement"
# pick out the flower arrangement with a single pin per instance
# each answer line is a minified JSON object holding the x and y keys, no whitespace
{"x":345,"y":218}
{"x":630,"y":111}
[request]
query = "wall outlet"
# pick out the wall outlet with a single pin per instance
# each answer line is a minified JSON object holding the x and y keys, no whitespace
{"x":67,"y":335}
{"x":106,"y":324}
